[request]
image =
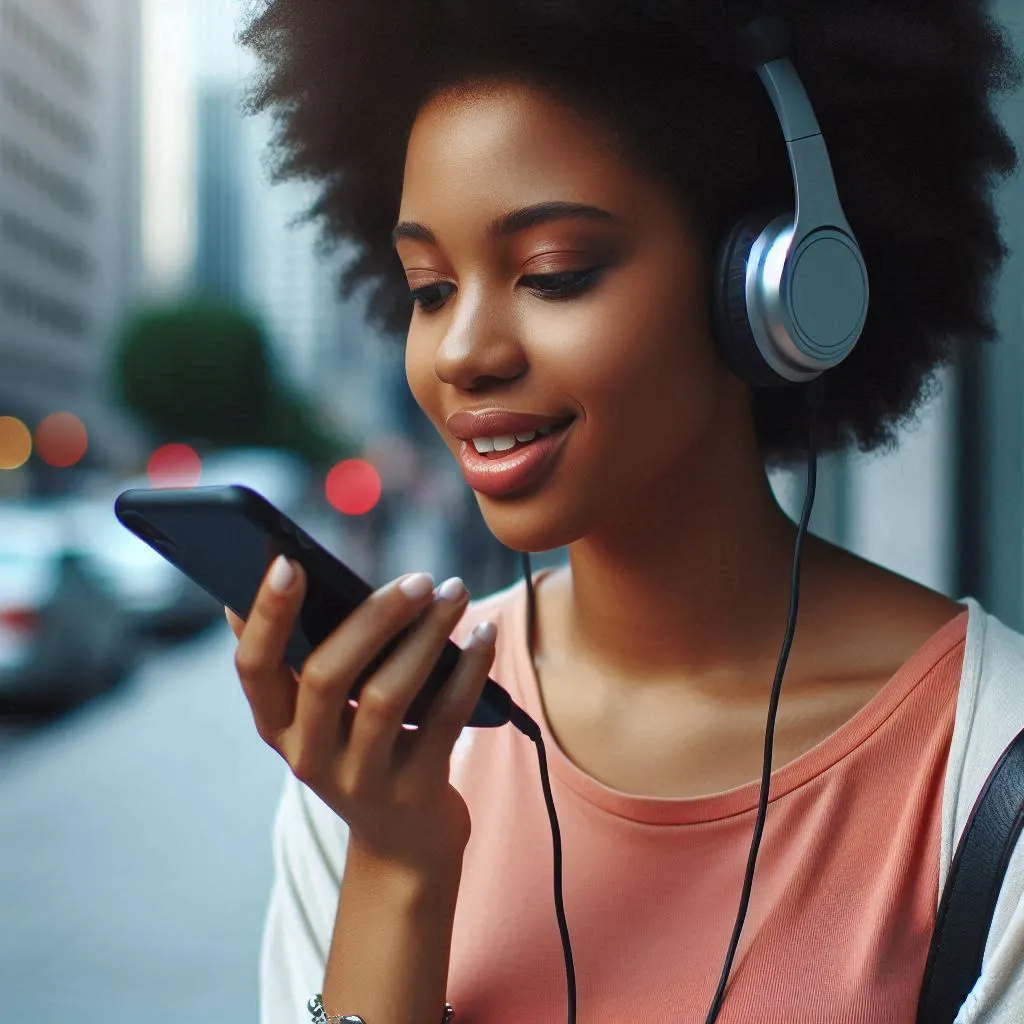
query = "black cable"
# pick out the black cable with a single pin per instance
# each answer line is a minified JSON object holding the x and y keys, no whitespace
{"x":528,"y":727}
{"x":814,"y":398}
{"x":814,"y":395}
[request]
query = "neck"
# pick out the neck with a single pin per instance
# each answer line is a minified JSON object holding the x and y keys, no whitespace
{"x":703,"y":588}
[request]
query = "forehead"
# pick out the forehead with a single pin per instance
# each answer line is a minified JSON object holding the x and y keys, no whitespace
{"x":505,"y":139}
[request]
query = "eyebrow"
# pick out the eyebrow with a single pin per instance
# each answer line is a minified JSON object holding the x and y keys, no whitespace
{"x":517,"y":220}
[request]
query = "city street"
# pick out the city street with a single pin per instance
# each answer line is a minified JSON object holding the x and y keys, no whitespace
{"x":135,"y":855}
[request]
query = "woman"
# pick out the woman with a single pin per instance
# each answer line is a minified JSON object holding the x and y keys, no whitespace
{"x":550,"y":182}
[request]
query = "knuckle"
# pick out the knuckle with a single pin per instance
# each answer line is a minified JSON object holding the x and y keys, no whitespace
{"x":318,"y":679}
{"x":352,"y":779}
{"x":304,"y":764}
{"x":269,"y":736}
{"x":247,"y":664}
{"x":375,"y":704}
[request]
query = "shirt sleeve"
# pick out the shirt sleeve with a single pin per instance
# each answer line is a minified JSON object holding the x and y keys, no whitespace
{"x":309,"y":846}
{"x":990,"y":712}
{"x":998,"y":997}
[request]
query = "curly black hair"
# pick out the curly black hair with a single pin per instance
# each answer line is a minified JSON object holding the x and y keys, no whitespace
{"x":903,"y":92}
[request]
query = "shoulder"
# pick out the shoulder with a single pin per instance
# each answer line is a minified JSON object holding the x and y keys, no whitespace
{"x":990,"y":709}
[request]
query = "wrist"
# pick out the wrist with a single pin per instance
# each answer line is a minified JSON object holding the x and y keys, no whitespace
{"x":404,"y":886}
{"x":392,"y":940}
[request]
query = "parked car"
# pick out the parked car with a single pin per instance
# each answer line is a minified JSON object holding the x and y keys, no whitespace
{"x":159,"y":600}
{"x":63,"y":637}
{"x":282,"y":478}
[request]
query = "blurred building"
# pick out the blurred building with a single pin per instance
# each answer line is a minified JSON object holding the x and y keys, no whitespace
{"x":69,"y":206}
{"x":219,"y":200}
{"x":252,"y":247}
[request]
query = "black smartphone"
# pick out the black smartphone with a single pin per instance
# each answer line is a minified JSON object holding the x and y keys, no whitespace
{"x":224,"y":538}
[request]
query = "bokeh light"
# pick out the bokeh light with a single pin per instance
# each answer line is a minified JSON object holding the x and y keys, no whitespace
{"x":174,"y":465}
{"x":61,"y":440}
{"x":353,"y":487}
{"x":15,"y":443}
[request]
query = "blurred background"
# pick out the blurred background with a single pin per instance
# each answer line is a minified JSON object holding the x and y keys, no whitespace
{"x":163,"y":319}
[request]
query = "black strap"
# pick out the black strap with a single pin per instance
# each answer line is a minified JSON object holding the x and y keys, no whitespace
{"x":972,"y":888}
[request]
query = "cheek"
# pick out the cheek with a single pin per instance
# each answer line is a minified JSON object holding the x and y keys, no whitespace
{"x":637,"y":350}
{"x":419,"y":373}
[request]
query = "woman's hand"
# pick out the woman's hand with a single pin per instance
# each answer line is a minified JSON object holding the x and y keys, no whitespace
{"x":388,"y":783}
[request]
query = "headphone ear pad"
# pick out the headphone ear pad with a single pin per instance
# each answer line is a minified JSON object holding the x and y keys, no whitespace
{"x":730,"y":323}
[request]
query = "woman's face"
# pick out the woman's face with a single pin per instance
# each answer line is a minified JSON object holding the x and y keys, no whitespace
{"x":554,"y":278}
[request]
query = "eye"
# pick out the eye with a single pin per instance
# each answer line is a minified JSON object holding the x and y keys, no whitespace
{"x":431,"y":297}
{"x":563,"y":284}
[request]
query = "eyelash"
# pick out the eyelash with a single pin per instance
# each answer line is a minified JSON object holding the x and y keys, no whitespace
{"x":574,"y":282}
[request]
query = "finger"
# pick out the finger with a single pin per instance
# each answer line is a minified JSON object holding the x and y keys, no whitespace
{"x":320,"y":726}
{"x":237,"y":624}
{"x":453,"y":707}
{"x":268,"y":683}
{"x":386,"y":697}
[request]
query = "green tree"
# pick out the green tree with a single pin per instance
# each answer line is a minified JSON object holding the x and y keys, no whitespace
{"x":202,"y":372}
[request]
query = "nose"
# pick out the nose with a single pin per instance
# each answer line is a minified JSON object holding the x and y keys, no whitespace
{"x":481,"y":347}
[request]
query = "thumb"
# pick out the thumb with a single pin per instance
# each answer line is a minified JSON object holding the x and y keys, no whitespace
{"x":236,"y":624}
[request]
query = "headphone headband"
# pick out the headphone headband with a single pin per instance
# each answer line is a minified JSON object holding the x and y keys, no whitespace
{"x":791,"y":291}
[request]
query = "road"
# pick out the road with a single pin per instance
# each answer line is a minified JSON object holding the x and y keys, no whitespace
{"x":135,"y":852}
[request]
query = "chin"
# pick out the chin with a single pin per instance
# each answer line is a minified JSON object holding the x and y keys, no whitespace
{"x":531,"y":524}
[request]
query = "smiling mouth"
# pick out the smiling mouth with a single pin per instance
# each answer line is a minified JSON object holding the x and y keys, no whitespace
{"x":504,"y":445}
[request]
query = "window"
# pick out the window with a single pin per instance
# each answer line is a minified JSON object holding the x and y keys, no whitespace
{"x":64,"y":193}
{"x":77,"y":13}
{"x":24,"y":28}
{"x":21,"y":301}
{"x":55,"y":251}
{"x":61,"y":124}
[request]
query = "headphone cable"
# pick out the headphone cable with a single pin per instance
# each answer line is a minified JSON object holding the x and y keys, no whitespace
{"x":529,"y":728}
{"x":813,"y":394}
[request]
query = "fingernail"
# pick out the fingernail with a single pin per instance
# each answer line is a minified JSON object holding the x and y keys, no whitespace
{"x":281,"y":575}
{"x":452,"y":589}
{"x":417,"y":586}
{"x":484,"y":632}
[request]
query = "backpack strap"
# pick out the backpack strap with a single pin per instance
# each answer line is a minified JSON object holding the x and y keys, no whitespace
{"x":972,"y":889}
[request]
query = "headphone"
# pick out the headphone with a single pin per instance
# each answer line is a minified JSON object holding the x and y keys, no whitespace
{"x":789,"y":301}
{"x":790,"y":290}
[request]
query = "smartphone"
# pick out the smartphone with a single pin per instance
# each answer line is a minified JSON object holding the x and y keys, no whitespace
{"x":224,"y":538}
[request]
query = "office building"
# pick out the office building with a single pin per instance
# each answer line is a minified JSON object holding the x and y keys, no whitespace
{"x":69,"y":206}
{"x":218,"y":268}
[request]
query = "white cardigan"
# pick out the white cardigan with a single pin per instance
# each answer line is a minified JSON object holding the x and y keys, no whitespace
{"x":989,"y":713}
{"x":310,"y":843}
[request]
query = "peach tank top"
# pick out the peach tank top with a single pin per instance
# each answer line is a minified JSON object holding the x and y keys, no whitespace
{"x":844,"y":895}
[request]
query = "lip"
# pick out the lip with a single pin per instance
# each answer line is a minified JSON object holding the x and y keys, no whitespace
{"x":520,"y":468}
{"x":469,"y":423}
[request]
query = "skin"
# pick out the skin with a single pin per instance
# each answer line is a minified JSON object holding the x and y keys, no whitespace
{"x":657,"y":645}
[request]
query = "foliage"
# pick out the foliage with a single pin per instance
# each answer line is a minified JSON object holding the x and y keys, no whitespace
{"x":202,"y":372}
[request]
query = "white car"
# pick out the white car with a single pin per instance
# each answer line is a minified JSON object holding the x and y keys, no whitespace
{"x":63,"y":638}
{"x":159,"y":599}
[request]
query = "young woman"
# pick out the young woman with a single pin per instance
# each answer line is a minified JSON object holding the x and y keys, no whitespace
{"x":551,"y":182}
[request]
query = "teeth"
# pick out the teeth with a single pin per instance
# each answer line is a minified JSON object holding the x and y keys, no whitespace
{"x":504,"y":442}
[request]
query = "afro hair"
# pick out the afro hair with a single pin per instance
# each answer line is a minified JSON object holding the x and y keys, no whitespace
{"x":903,"y":90}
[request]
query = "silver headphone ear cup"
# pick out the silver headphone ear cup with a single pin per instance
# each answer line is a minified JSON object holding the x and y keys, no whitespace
{"x":730,"y":318}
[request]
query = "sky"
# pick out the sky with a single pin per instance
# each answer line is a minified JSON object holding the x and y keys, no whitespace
{"x":185,"y":42}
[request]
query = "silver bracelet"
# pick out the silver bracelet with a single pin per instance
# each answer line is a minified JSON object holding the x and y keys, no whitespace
{"x":319,"y":1015}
